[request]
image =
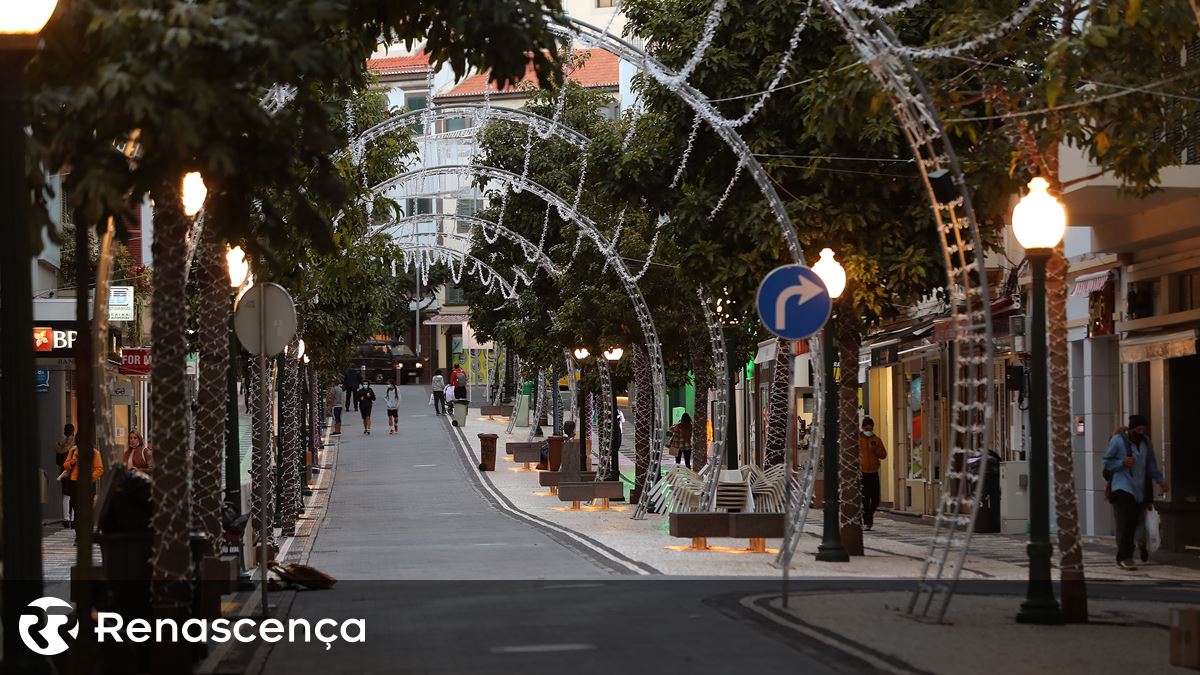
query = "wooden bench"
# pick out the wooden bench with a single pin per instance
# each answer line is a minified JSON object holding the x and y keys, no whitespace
{"x":754,"y":526}
{"x":530,"y":454}
{"x":589,"y":491}
{"x":510,"y":446}
{"x":551,"y":479}
{"x":496,"y":410}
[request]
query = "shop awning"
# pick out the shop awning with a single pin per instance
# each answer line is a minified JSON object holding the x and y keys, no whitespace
{"x":1161,"y":346}
{"x":1087,"y":284}
{"x":766,"y":352}
{"x":445,"y":319}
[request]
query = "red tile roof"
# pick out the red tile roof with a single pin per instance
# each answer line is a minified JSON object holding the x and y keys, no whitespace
{"x":601,"y":69}
{"x":400,"y":65}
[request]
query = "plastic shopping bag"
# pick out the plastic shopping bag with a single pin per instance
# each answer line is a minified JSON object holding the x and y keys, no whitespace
{"x":431,"y":399}
{"x":1153,"y":537}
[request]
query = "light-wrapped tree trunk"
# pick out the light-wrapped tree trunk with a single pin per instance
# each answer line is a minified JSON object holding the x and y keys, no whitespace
{"x":168,"y":400}
{"x":211,"y":401}
{"x":777,"y":411}
{"x":643,"y":415}
{"x":262,"y":466}
{"x":849,"y":469}
{"x":1074,"y":584}
{"x":290,"y":448}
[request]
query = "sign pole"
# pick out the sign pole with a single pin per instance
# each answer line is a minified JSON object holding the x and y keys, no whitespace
{"x":263,"y":402}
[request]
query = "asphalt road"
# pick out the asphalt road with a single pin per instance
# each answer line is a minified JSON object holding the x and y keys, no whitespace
{"x":449,"y":583}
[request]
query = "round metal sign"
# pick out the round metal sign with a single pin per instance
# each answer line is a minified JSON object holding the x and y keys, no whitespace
{"x":265,"y":319}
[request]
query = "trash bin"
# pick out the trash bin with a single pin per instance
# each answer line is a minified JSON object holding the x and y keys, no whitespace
{"x":487,"y":452}
{"x":987,"y":516}
{"x":126,"y":544}
{"x":460,"y":412}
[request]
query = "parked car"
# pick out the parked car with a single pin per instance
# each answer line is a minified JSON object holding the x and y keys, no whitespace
{"x":385,"y":360}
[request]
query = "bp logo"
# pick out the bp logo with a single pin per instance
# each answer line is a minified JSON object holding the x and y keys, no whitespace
{"x":45,"y":633}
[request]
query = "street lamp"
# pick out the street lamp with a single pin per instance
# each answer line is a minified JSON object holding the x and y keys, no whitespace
{"x":194,"y":194}
{"x":20,"y":23}
{"x":729,"y":316}
{"x":831,"y":549}
{"x":614,"y":354}
{"x":581,"y":353}
{"x":239,"y":275}
{"x":1039,"y":222}
{"x":300,"y":349}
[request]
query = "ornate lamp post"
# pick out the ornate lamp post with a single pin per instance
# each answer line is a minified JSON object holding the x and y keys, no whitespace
{"x":613,"y":355}
{"x":831,"y":549}
{"x":20,"y":23}
{"x":1039,"y":222}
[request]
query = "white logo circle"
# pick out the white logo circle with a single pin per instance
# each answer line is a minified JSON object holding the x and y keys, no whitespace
{"x":43,"y":632}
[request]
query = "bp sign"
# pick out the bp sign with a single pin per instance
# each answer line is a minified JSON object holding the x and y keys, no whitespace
{"x":793,"y":302}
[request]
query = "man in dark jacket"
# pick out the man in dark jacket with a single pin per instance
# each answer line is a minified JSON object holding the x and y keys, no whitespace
{"x":350,"y":382}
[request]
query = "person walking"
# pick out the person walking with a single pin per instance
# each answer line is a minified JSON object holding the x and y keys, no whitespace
{"x":1129,"y":466}
{"x":72,"y":465}
{"x":366,"y":399}
{"x":138,"y":455}
{"x":681,"y":440}
{"x":871,"y":452}
{"x":350,"y":383}
{"x":458,"y":380}
{"x":62,"y":449}
{"x":391,"y":399}
{"x":338,"y":394}
{"x":439,"y":392}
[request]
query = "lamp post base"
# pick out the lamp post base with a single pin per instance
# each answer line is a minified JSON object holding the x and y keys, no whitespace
{"x":1042,"y":611}
{"x":832,"y":553}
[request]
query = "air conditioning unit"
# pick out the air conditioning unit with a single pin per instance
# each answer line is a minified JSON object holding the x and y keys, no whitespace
{"x":1016,"y":328}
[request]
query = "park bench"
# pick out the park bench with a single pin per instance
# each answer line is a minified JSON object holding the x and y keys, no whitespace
{"x":496,"y":410}
{"x":551,"y":479}
{"x":511,"y":446}
{"x":755,"y":526}
{"x":562,"y":465}
{"x":590,"y":491}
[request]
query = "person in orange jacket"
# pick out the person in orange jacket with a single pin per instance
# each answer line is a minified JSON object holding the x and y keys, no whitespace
{"x":72,"y":465}
{"x":870,"y":452}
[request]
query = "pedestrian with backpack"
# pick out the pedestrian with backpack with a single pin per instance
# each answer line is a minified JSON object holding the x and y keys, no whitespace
{"x":1129,"y":468}
{"x":391,"y":399}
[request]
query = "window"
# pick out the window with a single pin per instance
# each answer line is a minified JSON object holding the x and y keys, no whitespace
{"x":417,"y":102}
{"x":456,"y":124}
{"x":418,"y":207}
{"x":600,"y":4}
{"x":455,"y":296}
{"x":468,"y":207}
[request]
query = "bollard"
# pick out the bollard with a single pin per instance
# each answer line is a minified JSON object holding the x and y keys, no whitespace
{"x":487,"y":452}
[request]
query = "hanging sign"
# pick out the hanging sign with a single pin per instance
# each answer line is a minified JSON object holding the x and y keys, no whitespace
{"x":135,"y":361}
{"x":54,"y":339}
{"x":120,"y":303}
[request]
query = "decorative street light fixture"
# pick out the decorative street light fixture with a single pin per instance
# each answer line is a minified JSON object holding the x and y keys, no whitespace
{"x":581,"y":353}
{"x":20,"y":24}
{"x":300,"y":349}
{"x":831,"y":549}
{"x":239,"y":267}
{"x":614,"y":354}
{"x":1039,"y":222}
{"x":194,"y":194}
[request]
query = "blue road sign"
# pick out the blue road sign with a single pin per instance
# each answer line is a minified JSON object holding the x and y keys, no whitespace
{"x":793,"y":302}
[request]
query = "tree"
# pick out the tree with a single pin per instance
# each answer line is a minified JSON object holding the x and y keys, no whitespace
{"x":834,"y":152}
{"x":185,"y":80}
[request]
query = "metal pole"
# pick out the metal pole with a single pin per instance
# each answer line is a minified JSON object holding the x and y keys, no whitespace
{"x":263,"y":406}
{"x":19,"y":434}
{"x":831,"y":549}
{"x":417,"y":310}
{"x":556,"y":401}
{"x":614,"y":441}
{"x":789,"y":447}
{"x":1039,"y":607}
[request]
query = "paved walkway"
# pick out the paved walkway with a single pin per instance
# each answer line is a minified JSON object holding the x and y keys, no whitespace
{"x":409,"y":507}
